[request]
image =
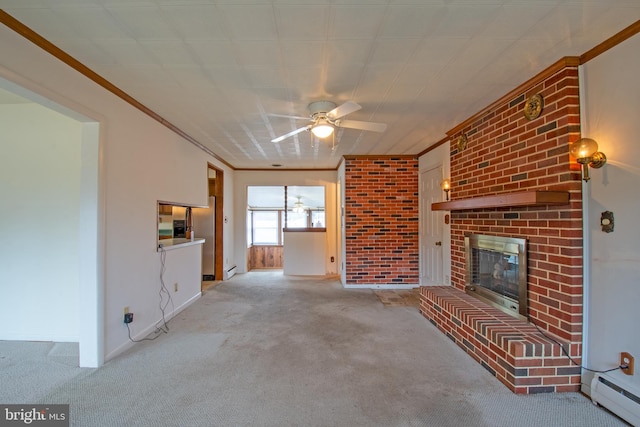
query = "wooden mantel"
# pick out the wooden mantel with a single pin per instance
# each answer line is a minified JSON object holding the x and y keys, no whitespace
{"x":506,"y":200}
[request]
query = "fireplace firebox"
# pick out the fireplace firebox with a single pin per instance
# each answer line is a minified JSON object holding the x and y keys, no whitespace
{"x":496,"y":269}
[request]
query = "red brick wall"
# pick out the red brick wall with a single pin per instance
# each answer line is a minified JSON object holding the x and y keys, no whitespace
{"x":506,"y":153}
{"x":381,"y":221}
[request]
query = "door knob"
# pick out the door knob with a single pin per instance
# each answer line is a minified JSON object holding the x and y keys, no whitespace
{"x":438,"y":243}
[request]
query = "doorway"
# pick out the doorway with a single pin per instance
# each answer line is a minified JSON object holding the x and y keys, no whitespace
{"x":431,"y":229}
{"x":51,"y":179}
{"x":276,"y":211}
{"x":209,"y":224}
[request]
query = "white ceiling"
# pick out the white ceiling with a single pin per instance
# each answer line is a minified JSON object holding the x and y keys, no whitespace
{"x":217,"y":69}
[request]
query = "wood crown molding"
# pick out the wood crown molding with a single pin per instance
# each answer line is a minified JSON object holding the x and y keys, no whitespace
{"x":566,"y":62}
{"x":63,"y":56}
{"x":285,"y":170}
{"x":611,"y":42}
{"x":433,"y":146}
{"x":569,"y":61}
{"x":382,"y":156}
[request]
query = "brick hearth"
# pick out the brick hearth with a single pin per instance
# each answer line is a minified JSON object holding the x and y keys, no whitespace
{"x":513,"y":350}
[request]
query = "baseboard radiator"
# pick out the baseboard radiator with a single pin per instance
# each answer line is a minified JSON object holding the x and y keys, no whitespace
{"x":229,"y":273}
{"x":620,"y":400}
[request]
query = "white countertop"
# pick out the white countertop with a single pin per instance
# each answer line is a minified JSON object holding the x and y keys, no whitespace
{"x":170,"y":244}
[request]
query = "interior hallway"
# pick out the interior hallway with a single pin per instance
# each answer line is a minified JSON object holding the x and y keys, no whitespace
{"x":263,"y":349}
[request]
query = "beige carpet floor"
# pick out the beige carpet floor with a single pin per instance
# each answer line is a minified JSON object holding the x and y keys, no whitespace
{"x":262,"y":349}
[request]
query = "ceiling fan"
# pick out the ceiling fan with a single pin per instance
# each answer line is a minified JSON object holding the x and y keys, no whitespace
{"x":325,"y":117}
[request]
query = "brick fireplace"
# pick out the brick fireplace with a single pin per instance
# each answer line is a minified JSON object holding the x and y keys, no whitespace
{"x":508,"y":153}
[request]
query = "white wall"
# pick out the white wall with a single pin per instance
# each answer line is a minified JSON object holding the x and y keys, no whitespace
{"x":304,"y":253}
{"x":39,"y":232}
{"x":141,"y":162}
{"x":611,"y":104}
{"x":244,"y":179}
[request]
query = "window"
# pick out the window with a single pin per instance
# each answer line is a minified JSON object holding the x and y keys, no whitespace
{"x":297,"y":219}
{"x":266,"y":216}
{"x":317,"y":219}
{"x":265,"y":227}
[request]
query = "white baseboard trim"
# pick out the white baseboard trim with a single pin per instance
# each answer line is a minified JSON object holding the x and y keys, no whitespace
{"x":128,"y":344}
{"x":10,"y":336}
{"x":386,"y":286}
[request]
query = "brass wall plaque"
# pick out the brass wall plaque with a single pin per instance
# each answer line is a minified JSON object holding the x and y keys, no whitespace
{"x":533,"y":107}
{"x":461,"y":143}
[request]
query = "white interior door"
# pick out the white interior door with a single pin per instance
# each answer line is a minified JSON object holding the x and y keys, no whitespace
{"x":431,"y":229}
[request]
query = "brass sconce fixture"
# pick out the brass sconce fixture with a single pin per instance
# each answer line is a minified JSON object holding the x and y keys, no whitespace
{"x":586,"y":152}
{"x":446,"y":187}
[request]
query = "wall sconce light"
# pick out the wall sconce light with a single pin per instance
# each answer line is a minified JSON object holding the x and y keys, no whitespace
{"x":446,"y":187}
{"x":586,"y":152}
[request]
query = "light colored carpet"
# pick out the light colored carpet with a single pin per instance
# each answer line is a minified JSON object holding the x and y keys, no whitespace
{"x":266,"y":350}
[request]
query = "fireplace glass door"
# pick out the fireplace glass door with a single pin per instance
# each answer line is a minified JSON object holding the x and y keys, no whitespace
{"x":497,"y":272}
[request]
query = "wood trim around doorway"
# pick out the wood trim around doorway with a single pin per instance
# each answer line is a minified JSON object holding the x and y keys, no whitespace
{"x":216,"y":189}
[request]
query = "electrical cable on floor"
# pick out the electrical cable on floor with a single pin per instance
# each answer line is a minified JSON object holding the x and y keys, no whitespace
{"x":564,"y":351}
{"x":140,"y":340}
{"x":163,"y":324}
{"x":163,"y":290}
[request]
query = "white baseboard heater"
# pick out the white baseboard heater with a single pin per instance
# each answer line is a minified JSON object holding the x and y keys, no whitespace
{"x":622,"y":400}
{"x":229,"y":273}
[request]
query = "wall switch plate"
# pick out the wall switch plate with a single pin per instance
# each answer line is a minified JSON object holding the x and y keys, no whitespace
{"x":126,"y":310}
{"x":627,"y":359}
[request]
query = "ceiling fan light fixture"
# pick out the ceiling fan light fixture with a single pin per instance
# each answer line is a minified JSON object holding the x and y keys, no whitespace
{"x":322,"y":128}
{"x":298,"y":207}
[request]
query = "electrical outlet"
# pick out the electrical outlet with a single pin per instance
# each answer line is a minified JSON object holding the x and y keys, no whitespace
{"x":175,"y":287}
{"x":626,"y":359}
{"x":128,"y":317}
{"x":126,"y":310}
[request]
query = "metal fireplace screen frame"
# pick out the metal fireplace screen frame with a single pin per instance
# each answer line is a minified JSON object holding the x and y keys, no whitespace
{"x":496,"y":270}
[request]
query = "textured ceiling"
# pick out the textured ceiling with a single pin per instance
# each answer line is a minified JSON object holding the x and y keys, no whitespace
{"x":223,"y":70}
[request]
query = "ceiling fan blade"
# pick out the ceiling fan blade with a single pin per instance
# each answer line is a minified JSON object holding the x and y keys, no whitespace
{"x":343,"y":110}
{"x":356,"y":124}
{"x":288,"y":117}
{"x":287,"y":135}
